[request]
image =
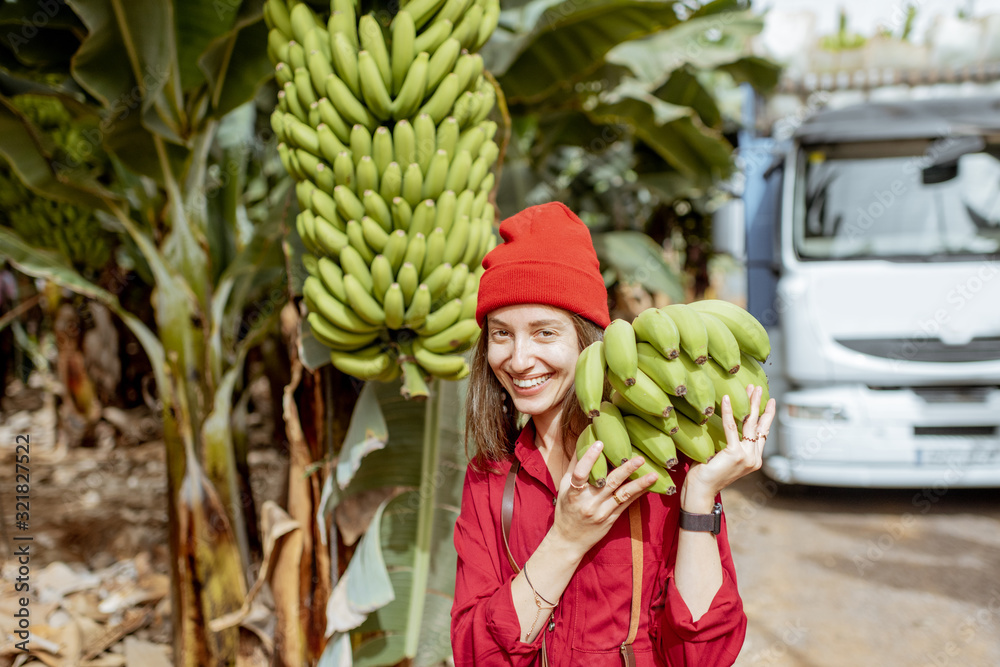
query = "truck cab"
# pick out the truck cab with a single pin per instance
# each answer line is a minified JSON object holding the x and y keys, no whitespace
{"x":873,"y":253}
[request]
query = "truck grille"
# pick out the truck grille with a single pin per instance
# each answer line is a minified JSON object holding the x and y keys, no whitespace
{"x":926,"y":350}
{"x":961,"y":431}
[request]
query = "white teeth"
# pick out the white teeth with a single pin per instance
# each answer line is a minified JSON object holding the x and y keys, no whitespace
{"x":525,"y":384}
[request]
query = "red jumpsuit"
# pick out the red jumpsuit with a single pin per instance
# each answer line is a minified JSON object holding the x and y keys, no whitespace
{"x":592,"y":618}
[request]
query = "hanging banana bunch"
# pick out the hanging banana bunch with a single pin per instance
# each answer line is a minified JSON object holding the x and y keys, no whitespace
{"x":385,"y":129}
{"x":72,"y":231}
{"x":669,"y":370}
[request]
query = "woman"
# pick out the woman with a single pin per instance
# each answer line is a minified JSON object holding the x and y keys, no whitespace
{"x":555,"y":585}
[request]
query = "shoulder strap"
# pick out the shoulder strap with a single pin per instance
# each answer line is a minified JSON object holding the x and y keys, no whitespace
{"x":507,"y":512}
{"x":635,"y":530}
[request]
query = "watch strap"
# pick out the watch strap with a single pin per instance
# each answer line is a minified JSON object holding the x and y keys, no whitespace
{"x":706,"y":523}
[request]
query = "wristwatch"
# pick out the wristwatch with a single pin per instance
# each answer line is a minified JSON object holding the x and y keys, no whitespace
{"x":706,"y":523}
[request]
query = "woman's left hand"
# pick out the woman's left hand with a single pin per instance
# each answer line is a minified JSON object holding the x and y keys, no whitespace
{"x":740,"y":457}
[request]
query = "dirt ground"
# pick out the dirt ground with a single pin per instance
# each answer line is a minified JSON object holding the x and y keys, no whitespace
{"x":829,"y":577}
{"x":844,"y":577}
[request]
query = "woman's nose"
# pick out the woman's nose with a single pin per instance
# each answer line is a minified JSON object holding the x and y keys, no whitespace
{"x":522,"y":357}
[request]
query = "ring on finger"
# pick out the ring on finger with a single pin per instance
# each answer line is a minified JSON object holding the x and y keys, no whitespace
{"x":749,"y":439}
{"x":578,"y":488}
{"x":619,"y":500}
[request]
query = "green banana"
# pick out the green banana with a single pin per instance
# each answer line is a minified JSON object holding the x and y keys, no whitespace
{"x":343,"y":20}
{"x":356,"y":237}
{"x":453,"y":10}
{"x":469,"y":303}
{"x":366,"y":174}
{"x":336,"y":338}
{"x":751,"y":372}
{"x":336,"y":312}
{"x":429,"y":40}
{"x":667,"y":425}
{"x":419,"y":308}
{"x":599,"y":471}
{"x":655,"y":327}
{"x":448,"y":135}
{"x":437,"y":280}
{"x":722,"y":345}
{"x":415,"y":250}
{"x":437,"y":364}
{"x":412,"y":90}
{"x":354,"y":264}
{"x":440,"y":319}
{"x":395,"y":249}
{"x":302,"y":20}
{"x":443,"y":98}
{"x":453,"y":338}
{"x":682,"y":407}
{"x":347,"y":104}
{"x":589,"y":379}
{"x":382,"y":277}
{"x":467,"y":30}
{"x":749,"y":333}
{"x":343,"y":170}
{"x":609,"y":427}
{"x":670,"y":376}
{"x":620,"y":351}
{"x":377,"y":209}
{"x":374,"y":235}
{"x":391,"y":183}
{"x":445,"y":210}
{"x":426,"y":138}
{"x":435,"y":175}
{"x":373,"y":41}
{"x":458,"y":171}
{"x":468,"y":68}
{"x":413,"y":184}
{"x":693,"y":440}
{"x":404,"y":34}
{"x":318,"y":39}
{"x":489,"y":23}
{"x":457,"y":239}
{"x":329,"y":238}
{"x":644,"y":393}
{"x":364,"y":368}
{"x":409,"y":280}
{"x":700,"y":388}
{"x":404,"y":143}
{"x":651,"y":441}
{"x":664,"y":484}
{"x":693,"y":336}
{"x":455,"y":288}
{"x":382,"y":150}
{"x":348,"y":203}
{"x":361,"y":300}
{"x":276,"y":16}
{"x":332,"y":119}
{"x":373,"y":89}
{"x":423,"y":218}
{"x":728,"y":384}
{"x":443,"y":62}
{"x":319,"y":69}
{"x":332,"y":277}
{"x":402,"y":214}
{"x":423,"y":10}
{"x":345,"y":62}
{"x":394,"y":306}
{"x":324,"y":205}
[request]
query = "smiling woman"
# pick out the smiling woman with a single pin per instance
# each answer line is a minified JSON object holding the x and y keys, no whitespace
{"x":603,"y":589}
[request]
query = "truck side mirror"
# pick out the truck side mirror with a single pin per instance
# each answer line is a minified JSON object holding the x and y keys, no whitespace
{"x":729,"y":229}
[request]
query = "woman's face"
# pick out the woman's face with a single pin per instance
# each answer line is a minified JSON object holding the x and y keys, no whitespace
{"x":533,"y":349}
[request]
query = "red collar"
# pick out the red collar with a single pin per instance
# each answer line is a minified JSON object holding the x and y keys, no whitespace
{"x":531,"y":459}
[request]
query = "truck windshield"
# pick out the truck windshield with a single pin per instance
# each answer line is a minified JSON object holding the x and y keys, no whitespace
{"x":871,"y":201}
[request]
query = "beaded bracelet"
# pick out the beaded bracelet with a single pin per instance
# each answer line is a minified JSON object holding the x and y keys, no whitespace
{"x":538,"y":602}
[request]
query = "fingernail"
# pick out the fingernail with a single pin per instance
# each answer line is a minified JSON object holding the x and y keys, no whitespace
{"x":725,"y":399}
{"x":598,"y":445}
{"x":640,"y":460}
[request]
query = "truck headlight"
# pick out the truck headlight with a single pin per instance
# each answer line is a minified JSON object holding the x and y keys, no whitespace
{"x":821,"y":412}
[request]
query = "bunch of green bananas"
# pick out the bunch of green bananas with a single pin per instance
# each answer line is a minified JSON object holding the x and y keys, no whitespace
{"x":385,"y":130}
{"x":669,"y":370}
{"x":73,"y":231}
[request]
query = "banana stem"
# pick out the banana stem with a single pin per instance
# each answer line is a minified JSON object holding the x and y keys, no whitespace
{"x":425,"y":516}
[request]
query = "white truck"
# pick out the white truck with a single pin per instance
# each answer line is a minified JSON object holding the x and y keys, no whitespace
{"x":872,"y":244}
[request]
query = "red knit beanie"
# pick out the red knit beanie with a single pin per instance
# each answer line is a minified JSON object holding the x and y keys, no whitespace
{"x":547,"y":257}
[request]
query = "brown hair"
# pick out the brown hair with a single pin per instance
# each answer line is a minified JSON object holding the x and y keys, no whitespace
{"x":492,"y":423}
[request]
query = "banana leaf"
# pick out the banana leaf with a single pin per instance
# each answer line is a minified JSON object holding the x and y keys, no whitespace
{"x":637,"y":258}
{"x":402,"y":573}
{"x":569,"y":40}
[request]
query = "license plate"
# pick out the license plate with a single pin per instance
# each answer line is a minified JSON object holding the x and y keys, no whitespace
{"x":966,"y":456}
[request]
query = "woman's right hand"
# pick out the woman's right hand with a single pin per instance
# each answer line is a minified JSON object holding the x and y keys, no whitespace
{"x":584,"y":513}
